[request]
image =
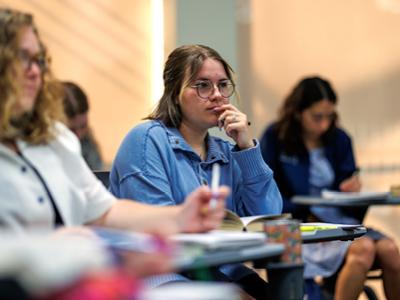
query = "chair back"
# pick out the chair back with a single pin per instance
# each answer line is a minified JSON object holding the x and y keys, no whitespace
{"x":103,"y":176}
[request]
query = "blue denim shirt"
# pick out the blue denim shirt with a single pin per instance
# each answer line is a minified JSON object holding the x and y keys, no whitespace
{"x":156,"y":165}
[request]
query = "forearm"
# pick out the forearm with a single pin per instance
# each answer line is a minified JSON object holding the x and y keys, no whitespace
{"x":257,"y":183}
{"x":132,"y":215}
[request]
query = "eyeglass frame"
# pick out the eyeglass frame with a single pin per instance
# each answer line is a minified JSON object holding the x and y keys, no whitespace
{"x":27,"y":60}
{"x":196,"y":86}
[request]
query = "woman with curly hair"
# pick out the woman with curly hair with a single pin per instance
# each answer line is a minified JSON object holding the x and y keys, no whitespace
{"x":44,"y":181}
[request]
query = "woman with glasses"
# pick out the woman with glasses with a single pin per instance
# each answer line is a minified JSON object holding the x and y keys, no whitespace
{"x":308,"y":152}
{"x":167,"y":157}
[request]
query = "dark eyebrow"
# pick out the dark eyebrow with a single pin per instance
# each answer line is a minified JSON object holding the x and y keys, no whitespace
{"x":26,"y":51}
{"x":206,"y":79}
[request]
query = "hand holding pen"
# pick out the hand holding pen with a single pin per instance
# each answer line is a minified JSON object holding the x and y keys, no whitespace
{"x":196,"y":214}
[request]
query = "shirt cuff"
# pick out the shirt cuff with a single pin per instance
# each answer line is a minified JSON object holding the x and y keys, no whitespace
{"x":251,"y":162}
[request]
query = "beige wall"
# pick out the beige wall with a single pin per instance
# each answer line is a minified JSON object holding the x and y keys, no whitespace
{"x":352,"y":42}
{"x":105,"y":47}
{"x":356,"y":45}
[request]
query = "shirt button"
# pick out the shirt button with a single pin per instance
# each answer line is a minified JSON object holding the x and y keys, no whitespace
{"x":40,"y":199}
{"x":23,"y":169}
{"x":204,"y":181}
{"x":213,"y":157}
{"x":176,"y":142}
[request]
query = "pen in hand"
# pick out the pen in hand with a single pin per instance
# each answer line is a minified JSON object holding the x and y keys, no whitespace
{"x":215,"y":175}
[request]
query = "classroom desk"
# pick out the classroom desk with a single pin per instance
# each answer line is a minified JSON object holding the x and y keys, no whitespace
{"x":337,"y":234}
{"x":285,"y":280}
{"x":310,"y":200}
{"x":266,"y":253}
{"x":263,"y":253}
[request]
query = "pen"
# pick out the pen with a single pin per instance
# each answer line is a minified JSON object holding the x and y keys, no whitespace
{"x":221,"y":124}
{"x":214,"y":184}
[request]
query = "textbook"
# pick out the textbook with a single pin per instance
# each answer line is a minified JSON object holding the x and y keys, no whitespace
{"x":232,"y":222}
{"x":354,"y":196}
{"x":217,"y":239}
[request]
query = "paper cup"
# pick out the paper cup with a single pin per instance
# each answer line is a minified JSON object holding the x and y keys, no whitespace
{"x":286,"y":232}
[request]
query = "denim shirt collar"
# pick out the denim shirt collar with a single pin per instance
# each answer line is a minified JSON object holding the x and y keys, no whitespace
{"x":177,"y":142}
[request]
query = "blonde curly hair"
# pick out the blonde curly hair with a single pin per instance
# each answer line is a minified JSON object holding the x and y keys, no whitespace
{"x":35,"y":127}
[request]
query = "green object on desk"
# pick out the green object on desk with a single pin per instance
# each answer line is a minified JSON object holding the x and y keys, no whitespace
{"x":307,"y":228}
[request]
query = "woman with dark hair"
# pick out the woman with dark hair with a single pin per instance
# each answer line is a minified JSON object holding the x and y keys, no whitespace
{"x":309,"y":152}
{"x":167,"y":157}
{"x":76,"y":108}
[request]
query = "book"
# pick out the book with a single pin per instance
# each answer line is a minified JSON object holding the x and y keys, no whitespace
{"x":232,"y":222}
{"x":217,"y":239}
{"x":354,"y":196}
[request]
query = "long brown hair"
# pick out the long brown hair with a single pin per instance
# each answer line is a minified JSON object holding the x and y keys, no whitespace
{"x":34,"y":127}
{"x":180,"y":70}
{"x":307,"y":92}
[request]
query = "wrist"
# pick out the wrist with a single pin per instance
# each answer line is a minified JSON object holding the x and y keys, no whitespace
{"x":247,"y":145}
{"x":178,"y":219}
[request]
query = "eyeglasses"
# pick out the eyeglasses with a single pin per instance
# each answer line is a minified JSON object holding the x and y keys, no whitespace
{"x":27,"y":60}
{"x":205,"y":88}
{"x":319,"y":117}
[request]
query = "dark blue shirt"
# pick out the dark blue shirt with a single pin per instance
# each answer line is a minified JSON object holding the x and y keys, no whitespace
{"x":292,"y":173}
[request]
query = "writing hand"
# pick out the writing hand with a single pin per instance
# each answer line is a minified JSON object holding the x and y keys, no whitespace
{"x":351,"y":184}
{"x":196,"y":215}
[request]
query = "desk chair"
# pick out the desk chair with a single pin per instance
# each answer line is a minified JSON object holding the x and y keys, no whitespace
{"x":103,"y":176}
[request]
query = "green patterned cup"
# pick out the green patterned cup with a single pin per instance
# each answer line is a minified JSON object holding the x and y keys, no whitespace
{"x":287,"y":232}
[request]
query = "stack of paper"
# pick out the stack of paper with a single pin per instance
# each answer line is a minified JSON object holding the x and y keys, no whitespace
{"x":351,"y":196}
{"x":221,"y":239}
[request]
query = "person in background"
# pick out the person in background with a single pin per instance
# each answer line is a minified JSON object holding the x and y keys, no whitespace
{"x":164,"y":159}
{"x":76,"y":107}
{"x":44,"y":182}
{"x":309,"y":152}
